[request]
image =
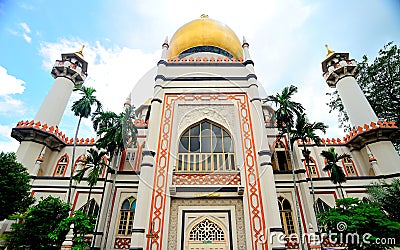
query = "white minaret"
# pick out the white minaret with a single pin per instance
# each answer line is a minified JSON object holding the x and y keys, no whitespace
{"x":340,"y":72}
{"x":68,"y":72}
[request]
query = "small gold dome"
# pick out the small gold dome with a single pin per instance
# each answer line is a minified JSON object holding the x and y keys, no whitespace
{"x":205,"y":34}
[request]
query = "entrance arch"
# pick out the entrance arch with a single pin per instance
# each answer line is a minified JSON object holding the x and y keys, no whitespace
{"x":206,"y":234}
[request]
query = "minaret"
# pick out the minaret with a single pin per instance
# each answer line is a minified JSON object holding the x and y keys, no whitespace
{"x":68,"y":72}
{"x":340,"y":72}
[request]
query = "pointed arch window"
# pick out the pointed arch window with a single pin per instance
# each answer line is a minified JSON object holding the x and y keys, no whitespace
{"x":312,"y":169}
{"x":205,"y":147}
{"x":286,"y":213}
{"x":91,"y":209}
{"x":206,"y":230}
{"x":126,"y":216}
{"x":321,"y":206}
{"x":61,"y":166}
{"x":281,"y":157}
{"x":349,"y":167}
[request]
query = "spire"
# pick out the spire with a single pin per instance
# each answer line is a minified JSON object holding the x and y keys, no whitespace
{"x":245,"y":43}
{"x":80,"y":52}
{"x":246,"y":52}
{"x":329,"y":51}
{"x":165,"y":48}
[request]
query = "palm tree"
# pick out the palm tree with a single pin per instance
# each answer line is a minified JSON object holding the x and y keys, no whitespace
{"x":115,"y":133}
{"x":95,"y":163}
{"x":336,"y":171}
{"x":287,"y":109}
{"x":83,"y":109}
{"x":305,"y":131}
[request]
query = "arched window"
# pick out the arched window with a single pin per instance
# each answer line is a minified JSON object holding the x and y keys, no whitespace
{"x":61,"y":166}
{"x":349,"y":167}
{"x":126,"y":215}
{"x":91,"y":209}
{"x":286,"y":213}
{"x":80,"y":161}
{"x":206,"y":230}
{"x":205,"y":147}
{"x":321,"y":206}
{"x":281,"y":157}
{"x":312,"y":168}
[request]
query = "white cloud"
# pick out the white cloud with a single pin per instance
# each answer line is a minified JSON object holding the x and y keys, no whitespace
{"x":24,"y":33}
{"x":27,"y":38}
{"x":7,"y":144}
{"x":112,"y":71}
{"x":10,"y":85}
{"x":25,"y":27}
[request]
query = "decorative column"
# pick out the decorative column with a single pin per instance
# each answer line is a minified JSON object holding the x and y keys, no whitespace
{"x":267,"y":181}
{"x":140,"y":231}
{"x":340,"y":72}
{"x":67,"y":72}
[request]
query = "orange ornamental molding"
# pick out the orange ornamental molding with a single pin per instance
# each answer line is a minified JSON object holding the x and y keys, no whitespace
{"x":251,"y":174}
{"x":205,"y":60}
{"x":140,"y":123}
{"x":354,"y":133}
{"x":206,"y":179}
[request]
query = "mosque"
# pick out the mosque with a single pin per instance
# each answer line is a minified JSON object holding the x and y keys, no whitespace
{"x":208,"y":170}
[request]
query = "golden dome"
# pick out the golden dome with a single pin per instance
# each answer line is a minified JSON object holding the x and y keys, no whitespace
{"x":205,"y":34}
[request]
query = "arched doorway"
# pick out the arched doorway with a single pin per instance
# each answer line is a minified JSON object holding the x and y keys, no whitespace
{"x":206,"y":235}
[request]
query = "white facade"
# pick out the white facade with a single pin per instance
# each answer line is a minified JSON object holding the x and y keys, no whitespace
{"x":208,"y":170}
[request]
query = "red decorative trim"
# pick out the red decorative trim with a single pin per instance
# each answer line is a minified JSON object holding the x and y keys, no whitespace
{"x":355,"y":132}
{"x":140,"y":123}
{"x":252,"y":180}
{"x":206,"y":179}
{"x":352,"y":163}
{"x":302,"y":215}
{"x":205,"y":60}
{"x":316,"y":166}
{"x":327,"y":192}
{"x":122,"y":243}
{"x":66,"y":166}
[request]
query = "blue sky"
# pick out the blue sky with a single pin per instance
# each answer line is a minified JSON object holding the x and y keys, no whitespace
{"x":123,"y":40}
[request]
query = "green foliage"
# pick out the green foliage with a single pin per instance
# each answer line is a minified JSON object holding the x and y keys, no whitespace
{"x":337,"y":174}
{"x":34,"y":226}
{"x":388,"y":196}
{"x":116,"y":132}
{"x":380,"y":82}
{"x":287,"y":109}
{"x":304,"y":130}
{"x":14,"y":186}
{"x":351,"y":216}
{"x":83,"y":106}
{"x":95,"y":163}
{"x":82,"y":224}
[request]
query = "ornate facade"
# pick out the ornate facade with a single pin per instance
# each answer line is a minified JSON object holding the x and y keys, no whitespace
{"x":208,"y":170}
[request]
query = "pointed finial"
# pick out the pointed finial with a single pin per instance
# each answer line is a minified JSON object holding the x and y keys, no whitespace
{"x":204,"y":16}
{"x":80,"y":51}
{"x":329,"y":51}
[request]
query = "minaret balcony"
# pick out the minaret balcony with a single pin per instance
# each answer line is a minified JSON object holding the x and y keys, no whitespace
{"x":338,"y":70}
{"x":70,"y":70}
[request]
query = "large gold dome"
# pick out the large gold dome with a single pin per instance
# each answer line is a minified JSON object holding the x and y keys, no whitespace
{"x":205,"y":34}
